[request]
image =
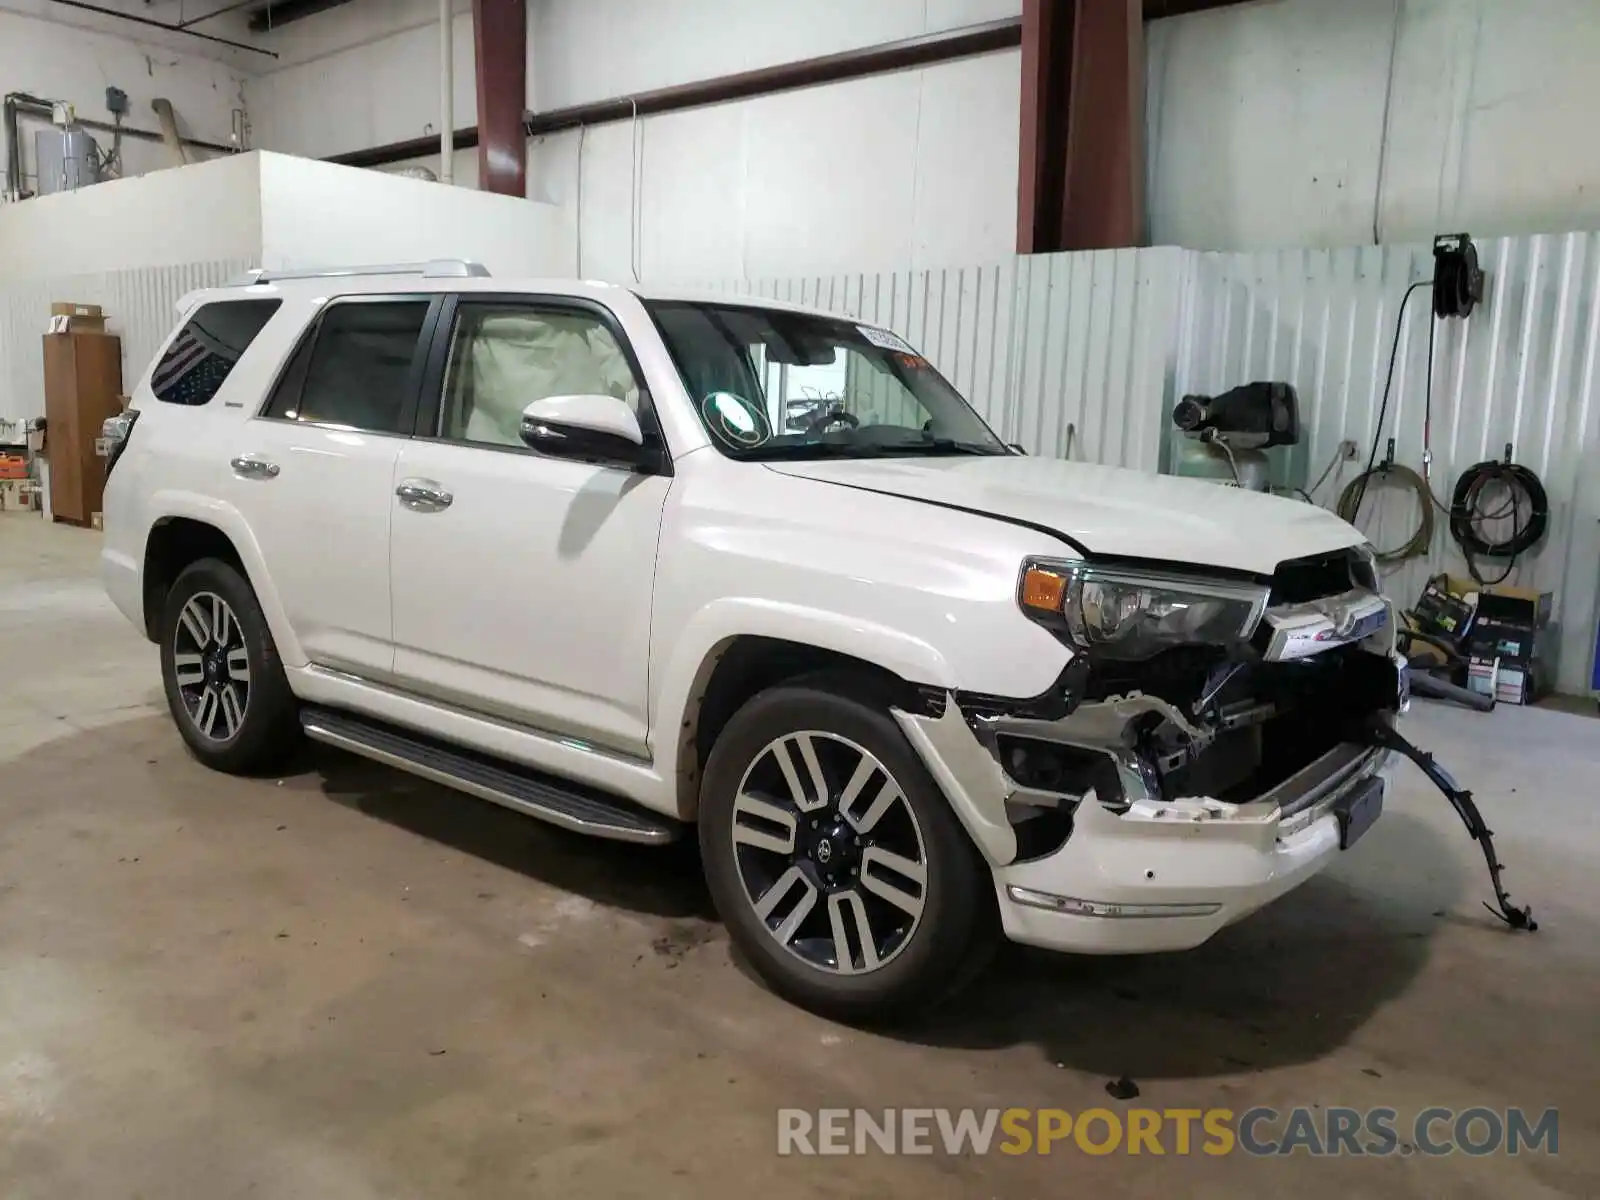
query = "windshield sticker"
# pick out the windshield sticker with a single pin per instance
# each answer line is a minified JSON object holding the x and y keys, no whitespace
{"x":884,"y":340}
{"x":738,"y":421}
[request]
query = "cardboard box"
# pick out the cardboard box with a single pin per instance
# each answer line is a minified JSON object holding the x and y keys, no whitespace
{"x":80,"y":318}
{"x":1511,"y":644}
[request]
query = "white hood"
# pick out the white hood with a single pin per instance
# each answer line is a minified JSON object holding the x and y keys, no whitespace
{"x":1109,"y":511}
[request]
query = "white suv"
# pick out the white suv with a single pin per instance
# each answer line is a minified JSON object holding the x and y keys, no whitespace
{"x":634,"y":562}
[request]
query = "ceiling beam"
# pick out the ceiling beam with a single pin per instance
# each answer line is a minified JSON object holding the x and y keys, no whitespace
{"x":281,"y":12}
{"x":926,"y":50}
{"x":152,"y":23}
{"x":1155,"y":10}
{"x":763,"y":81}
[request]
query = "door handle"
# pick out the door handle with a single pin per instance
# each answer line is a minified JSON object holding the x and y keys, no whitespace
{"x":423,"y":495}
{"x":251,"y":467}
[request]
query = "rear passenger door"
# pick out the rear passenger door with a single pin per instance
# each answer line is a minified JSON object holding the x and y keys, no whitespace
{"x":313,"y":474}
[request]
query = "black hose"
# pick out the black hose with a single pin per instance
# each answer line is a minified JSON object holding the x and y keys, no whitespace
{"x":1431,"y":686}
{"x":1467,"y":515}
{"x":1383,"y":408}
{"x":1444,"y":645}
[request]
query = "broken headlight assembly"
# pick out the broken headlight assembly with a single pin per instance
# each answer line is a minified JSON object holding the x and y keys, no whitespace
{"x":1127,"y":615}
{"x":1364,"y":567}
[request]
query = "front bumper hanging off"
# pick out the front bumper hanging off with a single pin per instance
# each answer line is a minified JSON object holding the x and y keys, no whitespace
{"x":1167,"y":874}
{"x":1161,"y":875}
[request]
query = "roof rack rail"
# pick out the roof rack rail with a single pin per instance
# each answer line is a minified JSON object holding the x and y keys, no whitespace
{"x":439,"y":268}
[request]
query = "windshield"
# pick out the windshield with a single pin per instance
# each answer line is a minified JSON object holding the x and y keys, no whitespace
{"x":770,"y":384}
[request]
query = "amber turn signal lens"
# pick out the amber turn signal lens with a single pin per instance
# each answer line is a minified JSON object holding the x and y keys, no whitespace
{"x":1042,"y":589}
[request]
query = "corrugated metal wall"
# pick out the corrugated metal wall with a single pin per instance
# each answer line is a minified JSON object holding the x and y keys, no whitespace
{"x":1521,"y":370}
{"x":139,"y":308}
{"x":1069,"y":354}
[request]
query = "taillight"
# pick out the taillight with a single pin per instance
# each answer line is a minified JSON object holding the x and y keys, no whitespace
{"x":114,"y":434}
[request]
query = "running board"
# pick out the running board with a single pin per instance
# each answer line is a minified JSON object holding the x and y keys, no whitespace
{"x":558,"y":801}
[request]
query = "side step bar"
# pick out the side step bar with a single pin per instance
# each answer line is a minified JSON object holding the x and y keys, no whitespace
{"x":560,"y":802}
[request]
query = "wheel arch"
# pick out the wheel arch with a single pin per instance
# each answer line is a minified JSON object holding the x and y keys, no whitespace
{"x":173,"y":545}
{"x":740,"y":666}
{"x":190,"y":529}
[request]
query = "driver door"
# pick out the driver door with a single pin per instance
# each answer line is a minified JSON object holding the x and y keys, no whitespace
{"x":525,"y":595}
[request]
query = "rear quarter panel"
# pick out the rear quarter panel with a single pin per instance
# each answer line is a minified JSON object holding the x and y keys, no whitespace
{"x":176,"y":465}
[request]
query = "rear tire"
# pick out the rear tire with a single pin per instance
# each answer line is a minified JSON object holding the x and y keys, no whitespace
{"x":225,"y":684}
{"x":856,"y":895}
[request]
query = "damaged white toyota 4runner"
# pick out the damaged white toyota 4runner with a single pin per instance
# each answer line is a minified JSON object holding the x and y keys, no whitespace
{"x":634,"y":563}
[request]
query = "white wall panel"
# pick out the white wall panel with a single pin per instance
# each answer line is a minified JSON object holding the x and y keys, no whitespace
{"x":1307,"y":122}
{"x":199,"y":213}
{"x":597,"y":49}
{"x":915,"y":169}
{"x":316,"y":214}
{"x":911,"y":169}
{"x":140,"y":308}
{"x":1521,"y":370}
{"x":367,"y":94}
{"x":1290,"y":123}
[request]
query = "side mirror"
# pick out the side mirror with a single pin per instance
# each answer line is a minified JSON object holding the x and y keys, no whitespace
{"x":597,"y":429}
{"x":1018,"y":447}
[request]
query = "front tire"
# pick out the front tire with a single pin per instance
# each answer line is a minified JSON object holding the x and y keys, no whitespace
{"x":837,"y":864}
{"x":224,"y":681}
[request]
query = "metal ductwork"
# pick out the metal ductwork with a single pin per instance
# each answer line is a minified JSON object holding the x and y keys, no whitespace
{"x":169,"y":129}
{"x":283,"y":12}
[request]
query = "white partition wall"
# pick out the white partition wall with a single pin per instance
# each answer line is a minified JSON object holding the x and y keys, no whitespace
{"x":314,"y":213}
{"x":201,"y":213}
{"x":135,"y":246}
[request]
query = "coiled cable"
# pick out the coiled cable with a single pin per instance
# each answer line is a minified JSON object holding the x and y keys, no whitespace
{"x":1524,"y":492}
{"x":1392,"y":473}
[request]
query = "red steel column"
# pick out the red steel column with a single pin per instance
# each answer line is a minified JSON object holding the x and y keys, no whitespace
{"x":1041,"y":163}
{"x":500,"y":37}
{"x":1081,"y":160}
{"x":1104,"y":204}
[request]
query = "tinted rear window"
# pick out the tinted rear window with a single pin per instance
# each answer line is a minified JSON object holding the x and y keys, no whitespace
{"x":201,"y":357}
{"x":360,"y":357}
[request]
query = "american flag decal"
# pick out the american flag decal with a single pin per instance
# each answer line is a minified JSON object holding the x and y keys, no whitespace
{"x":191,"y":371}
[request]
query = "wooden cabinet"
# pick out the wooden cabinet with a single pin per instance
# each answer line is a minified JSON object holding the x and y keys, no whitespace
{"x":82,"y":386}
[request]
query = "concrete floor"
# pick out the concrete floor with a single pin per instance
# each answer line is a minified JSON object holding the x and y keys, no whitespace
{"x":351,"y":984}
